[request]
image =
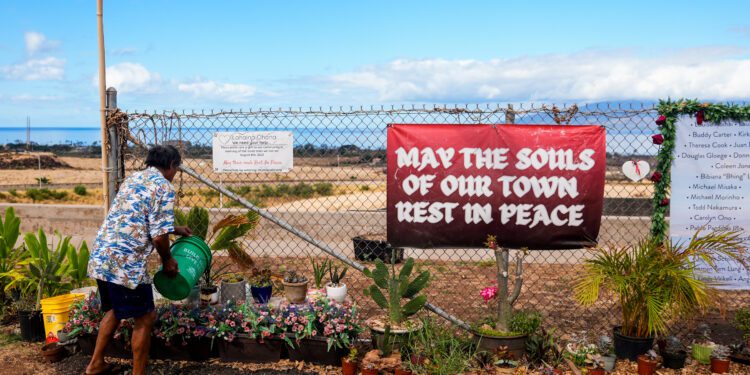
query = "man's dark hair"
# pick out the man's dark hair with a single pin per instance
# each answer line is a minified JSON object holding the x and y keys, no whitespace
{"x":163,"y":157}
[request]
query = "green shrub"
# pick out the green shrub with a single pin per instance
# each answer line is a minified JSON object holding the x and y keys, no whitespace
{"x":323,"y":188}
{"x":44,"y":194}
{"x":209,"y":193}
{"x":13,"y":192}
{"x":525,"y":322}
{"x":302,"y":190}
{"x":364,"y":188}
{"x":266,"y":191}
{"x":283,"y":190}
{"x":742,"y":321}
{"x":80,"y":190}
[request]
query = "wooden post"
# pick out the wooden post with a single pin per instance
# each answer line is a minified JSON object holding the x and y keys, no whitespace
{"x":103,"y":106}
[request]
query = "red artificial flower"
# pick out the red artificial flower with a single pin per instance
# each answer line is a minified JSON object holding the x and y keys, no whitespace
{"x":656,"y":176}
{"x":664,"y":202}
{"x":657,"y":139}
{"x":661,"y":120}
{"x":699,"y":117}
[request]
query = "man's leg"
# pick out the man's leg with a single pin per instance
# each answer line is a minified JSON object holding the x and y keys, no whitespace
{"x":107,"y":329}
{"x":141,"y":341}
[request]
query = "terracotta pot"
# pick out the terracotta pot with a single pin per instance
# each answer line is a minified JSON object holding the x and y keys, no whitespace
{"x":645,"y":365}
{"x":366,"y":371}
{"x":400,"y":371}
{"x":53,"y":352}
{"x":719,"y":366}
{"x":348,"y":367}
{"x":295,"y":292}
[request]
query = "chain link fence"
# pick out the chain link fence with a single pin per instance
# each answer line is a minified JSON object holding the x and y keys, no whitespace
{"x":336,"y":191}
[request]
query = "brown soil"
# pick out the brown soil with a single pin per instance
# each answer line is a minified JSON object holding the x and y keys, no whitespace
{"x":31,"y":161}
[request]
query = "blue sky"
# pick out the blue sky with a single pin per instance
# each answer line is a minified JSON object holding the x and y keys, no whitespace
{"x":250,"y":54}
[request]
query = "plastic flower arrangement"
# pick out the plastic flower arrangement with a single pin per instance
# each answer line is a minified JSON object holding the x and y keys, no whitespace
{"x":84,"y":317}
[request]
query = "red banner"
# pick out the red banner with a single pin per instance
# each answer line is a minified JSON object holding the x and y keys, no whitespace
{"x":535,"y":186}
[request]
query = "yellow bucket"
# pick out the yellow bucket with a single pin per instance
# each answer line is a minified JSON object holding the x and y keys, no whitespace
{"x":55,"y":311}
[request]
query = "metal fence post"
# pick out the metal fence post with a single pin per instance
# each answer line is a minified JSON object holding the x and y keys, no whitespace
{"x":114,"y":161}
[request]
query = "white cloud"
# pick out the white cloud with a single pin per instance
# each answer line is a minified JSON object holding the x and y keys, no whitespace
{"x":211,"y":90}
{"x":131,"y":77}
{"x":47,"y":68}
{"x":702,"y":73}
{"x":37,"y":42}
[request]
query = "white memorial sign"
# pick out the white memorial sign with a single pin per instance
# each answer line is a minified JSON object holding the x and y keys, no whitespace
{"x":711,"y":187}
{"x":258,"y":151}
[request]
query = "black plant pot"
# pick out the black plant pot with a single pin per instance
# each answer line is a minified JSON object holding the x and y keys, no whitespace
{"x":245,"y":349}
{"x":32,"y":326}
{"x":627,"y":347}
{"x":674,"y":360}
{"x":369,"y":250}
{"x":315,"y":350}
{"x":515,"y":345}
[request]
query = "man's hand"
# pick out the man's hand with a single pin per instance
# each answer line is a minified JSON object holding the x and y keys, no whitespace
{"x":170,"y":267}
{"x":183,"y":231}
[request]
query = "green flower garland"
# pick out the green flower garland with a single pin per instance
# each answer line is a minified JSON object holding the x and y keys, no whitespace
{"x":669,"y":111}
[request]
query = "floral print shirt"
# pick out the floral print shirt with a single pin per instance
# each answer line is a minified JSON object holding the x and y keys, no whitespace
{"x":142,"y":210}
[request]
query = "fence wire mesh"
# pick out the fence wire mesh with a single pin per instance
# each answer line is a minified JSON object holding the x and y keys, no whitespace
{"x":336,"y":191}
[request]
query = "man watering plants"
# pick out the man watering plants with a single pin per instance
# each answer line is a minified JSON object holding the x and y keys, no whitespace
{"x":141,"y":219}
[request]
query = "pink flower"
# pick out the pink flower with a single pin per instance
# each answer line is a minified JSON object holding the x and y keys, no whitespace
{"x":231,"y":324}
{"x":488,"y":293}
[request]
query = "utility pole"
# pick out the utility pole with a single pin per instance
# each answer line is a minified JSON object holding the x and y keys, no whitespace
{"x":28,"y":133}
{"x":103,"y":106}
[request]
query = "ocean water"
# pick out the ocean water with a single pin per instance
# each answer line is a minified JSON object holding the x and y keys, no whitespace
{"x":619,"y":142}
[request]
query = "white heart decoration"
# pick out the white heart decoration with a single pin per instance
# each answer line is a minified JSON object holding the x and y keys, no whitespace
{"x":635,"y":170}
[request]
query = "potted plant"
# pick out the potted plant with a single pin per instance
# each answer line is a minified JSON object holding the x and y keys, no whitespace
{"x":39,"y":275}
{"x":595,"y":365}
{"x":580,"y":351}
{"x":543,"y":349}
{"x":720,"y":359}
{"x":261,"y":285}
{"x":503,"y":327}
{"x":172,"y":331}
{"x":389,"y":290}
{"x":249,"y":334}
{"x":225,"y":236}
{"x":369,"y":369}
{"x":349,"y":363}
{"x":233,"y":288}
{"x":607,"y":351}
{"x":647,"y":363}
{"x":336,"y":289}
{"x":320,"y":269}
{"x":322,"y":331}
{"x":295,"y":287}
{"x":674,"y":353}
{"x":10,"y":252}
{"x":649,"y":291}
{"x":703,"y":348}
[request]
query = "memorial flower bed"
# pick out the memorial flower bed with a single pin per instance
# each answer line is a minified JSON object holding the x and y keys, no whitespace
{"x":320,"y":331}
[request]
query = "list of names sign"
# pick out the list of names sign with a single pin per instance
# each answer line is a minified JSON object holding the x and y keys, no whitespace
{"x":711,"y":188}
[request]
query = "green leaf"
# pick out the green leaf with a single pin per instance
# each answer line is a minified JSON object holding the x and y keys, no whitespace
{"x":413,"y":306}
{"x":378,"y":297}
{"x":406,"y":269}
{"x":380,"y":274}
{"x":417,"y":285}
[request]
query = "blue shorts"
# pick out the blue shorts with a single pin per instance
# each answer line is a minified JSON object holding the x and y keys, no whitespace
{"x":126,"y":303}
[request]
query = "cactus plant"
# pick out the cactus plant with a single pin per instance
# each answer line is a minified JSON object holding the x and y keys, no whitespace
{"x":390,"y":288}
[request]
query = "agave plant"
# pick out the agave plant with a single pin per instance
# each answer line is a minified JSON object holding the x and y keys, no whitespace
{"x":656,"y":282}
{"x":397,"y":287}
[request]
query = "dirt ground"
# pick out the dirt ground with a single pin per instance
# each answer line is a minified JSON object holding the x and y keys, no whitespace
{"x":23,"y":359}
